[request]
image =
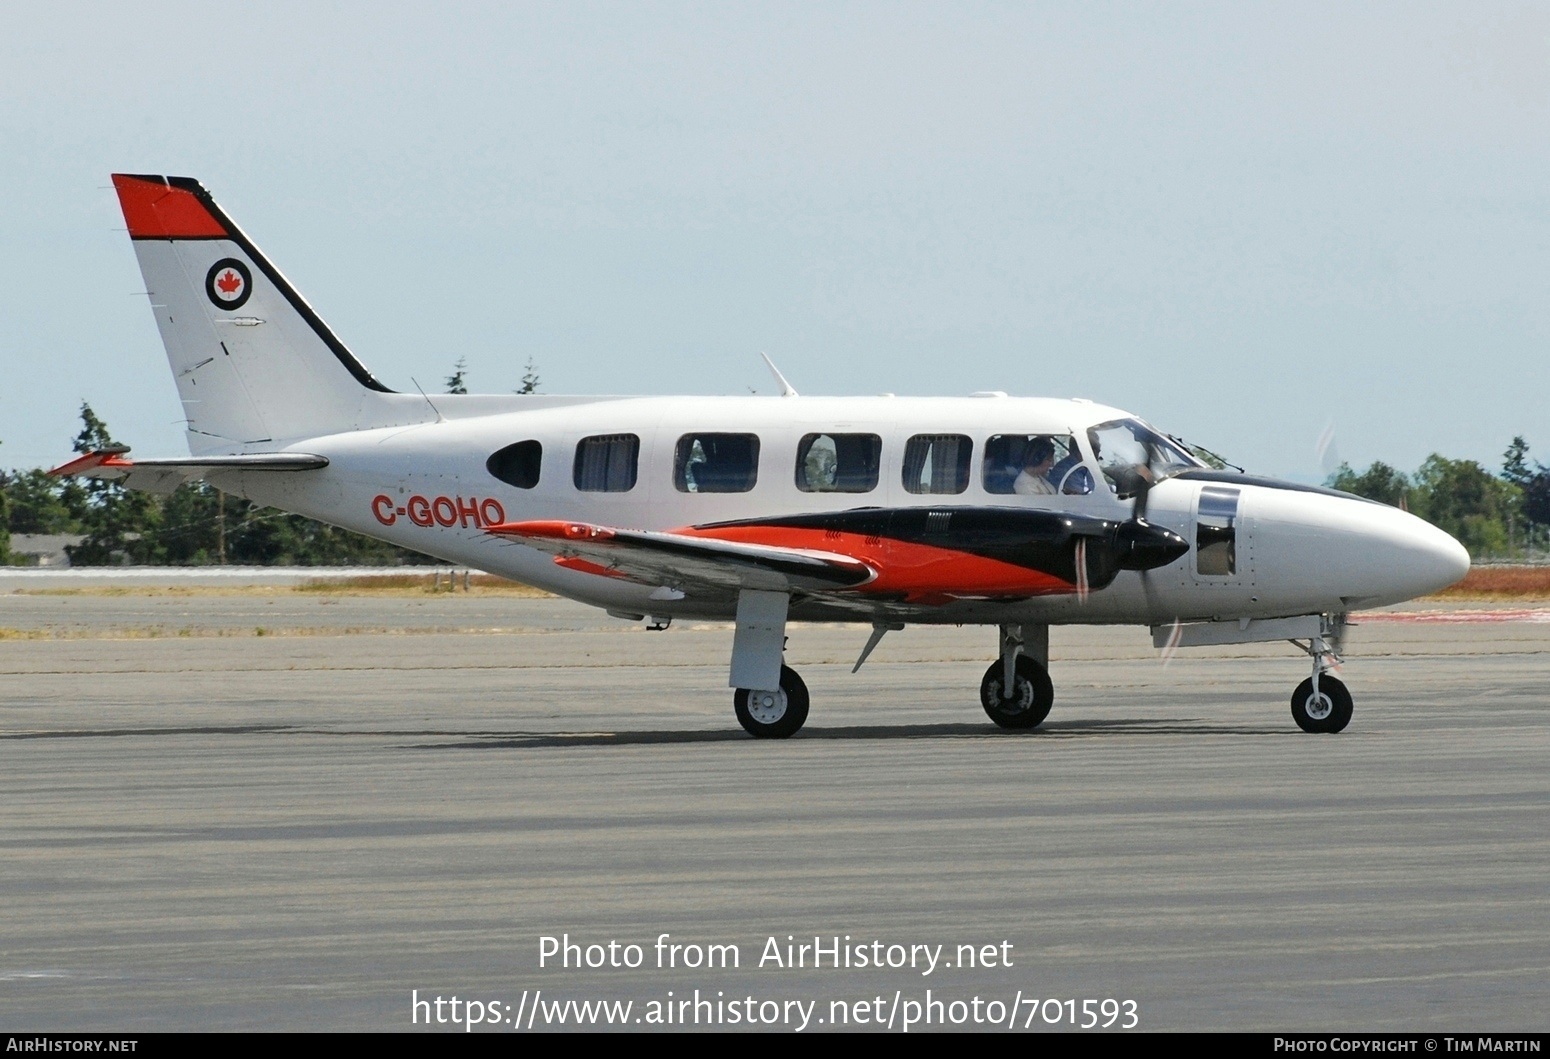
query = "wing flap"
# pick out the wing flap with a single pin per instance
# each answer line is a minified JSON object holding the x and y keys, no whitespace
{"x":681,"y":561}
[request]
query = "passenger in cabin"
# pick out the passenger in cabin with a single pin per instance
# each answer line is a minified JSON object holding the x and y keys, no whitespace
{"x":1033,"y":480}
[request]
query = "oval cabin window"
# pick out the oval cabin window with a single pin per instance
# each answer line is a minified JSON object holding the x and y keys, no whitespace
{"x":517,"y":464}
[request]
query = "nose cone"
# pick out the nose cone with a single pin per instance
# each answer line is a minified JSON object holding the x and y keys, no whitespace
{"x":1399,"y":556}
{"x":1343,"y":551}
{"x":1430,"y":558}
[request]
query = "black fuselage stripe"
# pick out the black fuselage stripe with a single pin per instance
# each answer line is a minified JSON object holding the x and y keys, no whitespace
{"x":1033,"y":540}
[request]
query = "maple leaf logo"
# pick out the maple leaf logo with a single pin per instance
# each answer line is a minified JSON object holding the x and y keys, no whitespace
{"x":228,"y":284}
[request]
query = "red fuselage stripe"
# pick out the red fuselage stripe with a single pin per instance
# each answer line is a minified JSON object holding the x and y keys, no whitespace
{"x":917,"y":571}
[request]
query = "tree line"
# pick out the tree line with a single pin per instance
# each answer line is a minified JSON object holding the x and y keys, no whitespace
{"x":197,"y":525}
{"x":1495,"y":515}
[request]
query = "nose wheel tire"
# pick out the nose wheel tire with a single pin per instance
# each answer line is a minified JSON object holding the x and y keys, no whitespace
{"x":773,"y":714}
{"x":1031,"y":698}
{"x":1328,"y":711}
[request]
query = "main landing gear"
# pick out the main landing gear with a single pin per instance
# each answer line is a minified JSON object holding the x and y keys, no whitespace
{"x":770,"y":700}
{"x":1016,"y":691}
{"x":773,"y":714}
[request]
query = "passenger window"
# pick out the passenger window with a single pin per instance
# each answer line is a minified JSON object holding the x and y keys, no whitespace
{"x":716,"y":463}
{"x":606,"y":463}
{"x":937,"y":463}
{"x":1035,"y":465}
{"x":517,"y":464}
{"x":838,"y":463}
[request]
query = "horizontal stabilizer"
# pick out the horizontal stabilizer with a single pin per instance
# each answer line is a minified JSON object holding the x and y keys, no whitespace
{"x":164,"y":476}
{"x":684,"y":562}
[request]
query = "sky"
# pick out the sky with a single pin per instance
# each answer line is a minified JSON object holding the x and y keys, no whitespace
{"x":1247,"y":223}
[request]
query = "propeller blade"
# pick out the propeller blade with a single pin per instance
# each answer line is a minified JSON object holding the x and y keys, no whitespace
{"x":1173,"y":641}
{"x":1145,"y":547}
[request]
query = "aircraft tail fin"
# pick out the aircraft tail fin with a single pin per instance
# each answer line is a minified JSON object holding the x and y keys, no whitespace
{"x":254,"y":364}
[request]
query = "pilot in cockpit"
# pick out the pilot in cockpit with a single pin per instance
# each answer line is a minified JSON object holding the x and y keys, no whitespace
{"x":1033,"y":479}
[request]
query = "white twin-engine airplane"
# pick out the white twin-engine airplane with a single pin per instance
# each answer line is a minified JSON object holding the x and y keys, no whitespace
{"x":1020,"y":513}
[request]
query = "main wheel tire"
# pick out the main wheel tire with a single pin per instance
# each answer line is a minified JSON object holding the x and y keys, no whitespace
{"x":1031,"y":699}
{"x":1330,"y":711}
{"x":773,"y":714}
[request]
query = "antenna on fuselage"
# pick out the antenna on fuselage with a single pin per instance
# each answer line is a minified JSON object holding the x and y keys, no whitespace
{"x":428,"y":400}
{"x":786,"y":389}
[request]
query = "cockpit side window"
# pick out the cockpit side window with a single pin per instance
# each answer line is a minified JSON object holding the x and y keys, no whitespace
{"x":1035,"y":465}
{"x":1132,"y":455}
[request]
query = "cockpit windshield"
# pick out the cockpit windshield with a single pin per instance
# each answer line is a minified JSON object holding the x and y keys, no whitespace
{"x":1133,"y":456}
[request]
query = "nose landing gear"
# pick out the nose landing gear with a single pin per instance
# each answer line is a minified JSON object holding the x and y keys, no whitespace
{"x":1321,"y":703}
{"x":1322,"y":708}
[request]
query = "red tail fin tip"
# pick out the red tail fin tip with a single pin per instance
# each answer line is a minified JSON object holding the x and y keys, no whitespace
{"x":155,"y":209}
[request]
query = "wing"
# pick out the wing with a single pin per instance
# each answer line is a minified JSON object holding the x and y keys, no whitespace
{"x":164,"y":476}
{"x":678,"y":561}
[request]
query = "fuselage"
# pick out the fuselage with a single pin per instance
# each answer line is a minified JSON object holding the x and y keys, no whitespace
{"x":1257,"y":548}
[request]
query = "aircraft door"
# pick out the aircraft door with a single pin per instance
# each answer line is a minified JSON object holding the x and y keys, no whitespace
{"x":1223,"y":552}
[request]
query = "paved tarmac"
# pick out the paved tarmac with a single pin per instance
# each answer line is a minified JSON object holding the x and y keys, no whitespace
{"x":73,"y":578}
{"x":206,"y":827}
